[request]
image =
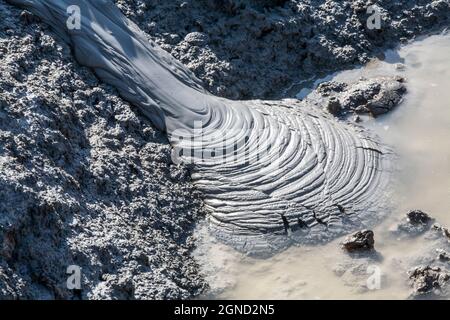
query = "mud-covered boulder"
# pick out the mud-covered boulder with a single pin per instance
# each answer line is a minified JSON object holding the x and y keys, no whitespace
{"x":414,"y":223}
{"x":374,"y":96}
{"x":359,"y":241}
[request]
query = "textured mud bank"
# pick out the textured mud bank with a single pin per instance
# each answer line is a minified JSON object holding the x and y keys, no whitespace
{"x":245,"y":49}
{"x":87,"y":181}
{"x":84,"y":181}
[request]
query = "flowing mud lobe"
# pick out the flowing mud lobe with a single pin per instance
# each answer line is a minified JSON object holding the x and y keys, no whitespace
{"x":418,"y":130}
{"x":272,"y":173}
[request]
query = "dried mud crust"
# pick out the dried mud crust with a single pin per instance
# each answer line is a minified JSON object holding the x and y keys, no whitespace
{"x":84,"y":181}
{"x":245,"y":49}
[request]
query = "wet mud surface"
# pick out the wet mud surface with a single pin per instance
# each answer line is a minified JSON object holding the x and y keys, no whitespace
{"x":87,"y":180}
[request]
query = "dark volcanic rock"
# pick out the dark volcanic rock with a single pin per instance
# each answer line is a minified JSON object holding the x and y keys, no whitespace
{"x":334,"y":106}
{"x":359,"y":241}
{"x":418,"y":217}
{"x":390,"y":95}
{"x":414,"y":223}
{"x":330,"y":88}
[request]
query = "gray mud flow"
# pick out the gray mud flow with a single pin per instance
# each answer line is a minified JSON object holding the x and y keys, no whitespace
{"x":272,"y":173}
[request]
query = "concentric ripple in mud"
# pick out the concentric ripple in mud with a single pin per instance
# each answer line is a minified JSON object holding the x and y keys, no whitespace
{"x":294,"y":175}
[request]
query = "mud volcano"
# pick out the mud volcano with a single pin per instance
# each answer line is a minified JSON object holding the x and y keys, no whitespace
{"x":272,"y":172}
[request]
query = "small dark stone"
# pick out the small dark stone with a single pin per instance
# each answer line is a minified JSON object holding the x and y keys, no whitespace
{"x":401,"y":80}
{"x":418,"y":217}
{"x":373,"y":96}
{"x":359,"y":241}
{"x":414,"y":223}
